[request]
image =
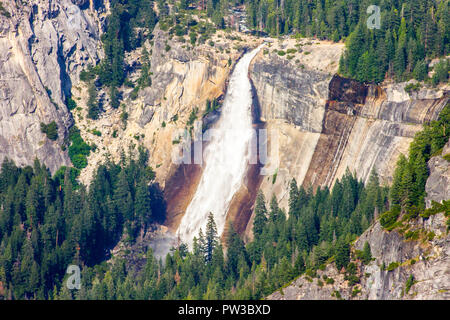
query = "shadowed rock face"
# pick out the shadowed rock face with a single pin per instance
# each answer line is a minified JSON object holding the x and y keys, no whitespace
{"x":347,"y":91}
{"x":43,"y":47}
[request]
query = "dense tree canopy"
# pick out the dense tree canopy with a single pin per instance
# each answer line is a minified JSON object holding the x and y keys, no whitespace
{"x":49,"y":223}
{"x":411,"y":31}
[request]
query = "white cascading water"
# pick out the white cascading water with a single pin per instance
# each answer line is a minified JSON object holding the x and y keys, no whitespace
{"x":226,"y":156}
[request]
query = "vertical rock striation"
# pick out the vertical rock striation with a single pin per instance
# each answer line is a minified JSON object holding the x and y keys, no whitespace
{"x":324,"y":125}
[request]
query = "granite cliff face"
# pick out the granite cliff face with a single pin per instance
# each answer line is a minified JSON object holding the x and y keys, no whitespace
{"x":322,"y":125}
{"x":438,"y":183}
{"x":43,"y":47}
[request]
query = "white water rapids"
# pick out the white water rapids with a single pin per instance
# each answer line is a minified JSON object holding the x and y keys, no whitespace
{"x":226,"y":156}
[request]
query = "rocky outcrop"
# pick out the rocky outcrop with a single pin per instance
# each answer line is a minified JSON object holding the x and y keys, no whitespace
{"x":426,"y":261}
{"x":43,"y":47}
{"x":307,"y":288}
{"x":398,"y":257}
{"x":438,"y":183}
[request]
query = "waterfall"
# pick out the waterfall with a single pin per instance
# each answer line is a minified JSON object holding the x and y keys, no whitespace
{"x":226,"y":156}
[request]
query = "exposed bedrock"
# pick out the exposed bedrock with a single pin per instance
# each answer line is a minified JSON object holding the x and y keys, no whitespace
{"x":322,"y":125}
{"x":43,"y":47}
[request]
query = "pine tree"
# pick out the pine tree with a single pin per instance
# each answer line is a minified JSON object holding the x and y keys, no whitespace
{"x":342,"y":255}
{"x":236,"y":251}
{"x":274,"y":209}
{"x":142,"y":205}
{"x":366,"y":253}
{"x":260,"y":219}
{"x":293,"y":198}
{"x":396,"y":188}
{"x":211,"y":239}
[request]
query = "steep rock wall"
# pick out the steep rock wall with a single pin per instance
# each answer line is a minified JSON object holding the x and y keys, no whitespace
{"x":291,"y":94}
{"x":323,"y":125}
{"x":43,"y":47}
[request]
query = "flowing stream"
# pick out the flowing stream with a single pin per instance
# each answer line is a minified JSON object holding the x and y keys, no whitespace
{"x":225,"y":158}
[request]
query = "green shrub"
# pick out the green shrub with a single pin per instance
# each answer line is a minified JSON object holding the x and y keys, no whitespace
{"x":412,"y":235}
{"x":412,"y":87}
{"x":329,"y":281}
{"x":291,"y":51}
{"x":50,"y":130}
{"x":274,"y":177}
{"x":350,"y":274}
{"x":388,"y":218}
{"x":4,"y":12}
{"x":412,"y":213}
{"x":124,"y":118}
{"x":96,"y":132}
{"x":366,"y":254}
{"x":78,"y":149}
{"x":79,"y":161}
{"x":409,"y":283}
{"x":134,"y":93}
{"x":392,"y":266}
{"x":337,"y":294}
{"x":71,"y":104}
{"x":447,"y":157}
{"x":441,"y":70}
{"x":87,"y":75}
{"x":281,"y":53}
{"x":193,"y":37}
{"x":355,"y":292}
{"x":192,"y":117}
{"x":436,"y":208}
{"x":311,"y":273}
